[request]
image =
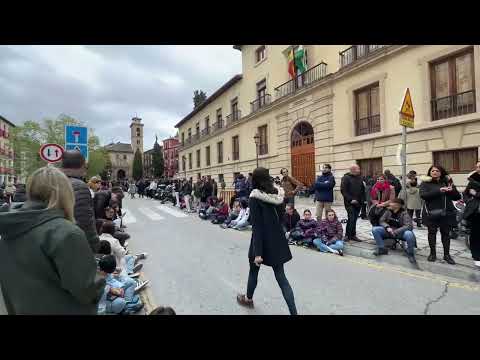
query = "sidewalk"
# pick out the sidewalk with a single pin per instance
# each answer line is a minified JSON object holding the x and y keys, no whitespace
{"x":464,"y":269}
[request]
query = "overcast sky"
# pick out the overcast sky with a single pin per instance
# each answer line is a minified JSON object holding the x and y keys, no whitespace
{"x":105,"y":86}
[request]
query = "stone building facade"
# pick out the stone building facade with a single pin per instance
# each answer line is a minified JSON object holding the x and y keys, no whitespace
{"x":344,"y":109}
{"x":7,"y":156}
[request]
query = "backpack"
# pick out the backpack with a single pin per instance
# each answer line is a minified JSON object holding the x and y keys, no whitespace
{"x":374,"y":215}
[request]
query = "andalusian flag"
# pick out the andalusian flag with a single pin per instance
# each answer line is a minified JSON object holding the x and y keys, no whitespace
{"x":291,"y":64}
{"x":300,"y":59}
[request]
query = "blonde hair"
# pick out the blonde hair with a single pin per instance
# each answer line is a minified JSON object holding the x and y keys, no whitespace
{"x":51,"y":186}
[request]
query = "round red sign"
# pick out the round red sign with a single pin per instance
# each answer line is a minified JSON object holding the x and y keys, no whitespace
{"x":51,"y":152}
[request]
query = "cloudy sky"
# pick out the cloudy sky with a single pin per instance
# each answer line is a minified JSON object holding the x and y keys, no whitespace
{"x":105,"y":86}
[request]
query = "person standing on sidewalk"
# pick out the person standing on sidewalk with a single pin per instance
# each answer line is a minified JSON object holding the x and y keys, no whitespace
{"x":438,"y":191}
{"x":73,"y":166}
{"x":132,"y":189}
{"x":353,"y":191}
{"x":46,"y":264}
{"x":268,"y":245}
{"x":411,"y":196}
{"x":323,"y":188}
{"x":187,"y":194}
{"x":472,"y":213}
{"x":291,"y":186}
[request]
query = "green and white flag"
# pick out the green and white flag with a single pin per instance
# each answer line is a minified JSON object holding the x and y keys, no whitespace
{"x":300,"y":59}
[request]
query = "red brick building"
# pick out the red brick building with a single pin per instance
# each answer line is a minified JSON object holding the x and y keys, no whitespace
{"x":170,"y":156}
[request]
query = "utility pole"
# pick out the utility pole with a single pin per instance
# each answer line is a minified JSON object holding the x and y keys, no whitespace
{"x":407,"y":117}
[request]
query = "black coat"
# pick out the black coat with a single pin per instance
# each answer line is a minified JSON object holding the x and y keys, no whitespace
{"x":84,"y":213}
{"x":472,"y":202}
{"x":101,"y":200}
{"x":268,"y":239}
{"x":207,"y":191}
{"x":435,"y":200}
{"x":352,"y":188}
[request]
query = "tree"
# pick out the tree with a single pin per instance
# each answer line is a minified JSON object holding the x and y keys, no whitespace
{"x":137,"y":171}
{"x":199,"y":96}
{"x":157,"y":160}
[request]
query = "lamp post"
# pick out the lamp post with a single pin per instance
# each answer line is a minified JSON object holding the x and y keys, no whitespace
{"x":257,"y":142}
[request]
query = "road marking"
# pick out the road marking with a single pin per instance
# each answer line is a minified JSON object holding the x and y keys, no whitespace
{"x":128,"y":218}
{"x":411,"y":274}
{"x":150,"y":214}
{"x":171,"y":211}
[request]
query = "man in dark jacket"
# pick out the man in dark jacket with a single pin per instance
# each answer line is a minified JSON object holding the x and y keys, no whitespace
{"x":207,"y":190}
{"x":395,"y":223}
{"x":101,"y":200}
{"x":73,"y":166}
{"x":187,"y":194}
{"x":323,"y":189}
{"x":353,"y":191}
{"x":393,"y":181}
{"x":241,"y":187}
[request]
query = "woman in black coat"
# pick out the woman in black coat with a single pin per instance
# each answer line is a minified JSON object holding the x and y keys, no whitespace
{"x":438,"y":191}
{"x":268,"y":245}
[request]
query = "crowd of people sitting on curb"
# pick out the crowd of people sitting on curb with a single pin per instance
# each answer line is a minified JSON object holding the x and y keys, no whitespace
{"x":66,"y":243}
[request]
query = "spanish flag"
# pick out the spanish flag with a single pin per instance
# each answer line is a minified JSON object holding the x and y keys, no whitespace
{"x":291,"y":64}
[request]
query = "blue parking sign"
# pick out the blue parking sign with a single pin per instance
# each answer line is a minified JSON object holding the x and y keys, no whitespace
{"x":76,"y":135}
{"x":82,"y":148}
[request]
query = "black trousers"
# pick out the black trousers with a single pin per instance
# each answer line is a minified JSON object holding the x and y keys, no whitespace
{"x":418,"y":215}
{"x":475,"y":238}
{"x":281,"y":280}
{"x":351,"y":229}
{"x":445,"y":234}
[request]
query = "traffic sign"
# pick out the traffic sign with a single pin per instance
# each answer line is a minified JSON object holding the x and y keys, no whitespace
{"x":76,"y":137}
{"x":51,"y":152}
{"x":407,"y":115}
{"x":82,"y":148}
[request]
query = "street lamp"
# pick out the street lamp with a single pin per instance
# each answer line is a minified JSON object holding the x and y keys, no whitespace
{"x":257,"y":143}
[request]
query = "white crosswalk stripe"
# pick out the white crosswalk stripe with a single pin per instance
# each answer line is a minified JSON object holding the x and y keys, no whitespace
{"x":128,"y":218}
{"x":150,"y":214}
{"x":171,"y":211}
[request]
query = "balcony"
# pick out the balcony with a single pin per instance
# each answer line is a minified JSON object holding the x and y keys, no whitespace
{"x":368,"y":125}
{"x":260,"y":102}
{"x":454,"y":105}
{"x":206,"y":131}
{"x":357,"y":52}
{"x":262,"y":149}
{"x":310,"y":76}
{"x":218,"y":125}
{"x":234,"y":116}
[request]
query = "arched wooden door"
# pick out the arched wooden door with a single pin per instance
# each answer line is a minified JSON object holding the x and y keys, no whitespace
{"x":303,"y":153}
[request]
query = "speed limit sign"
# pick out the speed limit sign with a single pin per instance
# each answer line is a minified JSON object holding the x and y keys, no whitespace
{"x":51,"y":152}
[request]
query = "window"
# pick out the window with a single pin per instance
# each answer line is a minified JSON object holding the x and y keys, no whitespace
{"x":262,"y":89}
{"x":138,"y":132}
{"x":371,"y":167}
{"x":235,"y":148}
{"x":453,"y":86}
{"x":219,"y":118}
{"x":260,"y":53}
{"x":220,"y":152}
{"x":367,"y":110}
{"x":220,"y":178}
{"x":190,"y":161}
{"x":198,"y":158}
{"x":138,"y":142}
{"x":235,"y":113}
{"x":263,"y":144}
{"x":207,"y":125}
{"x":124,"y":157}
{"x":457,"y":161}
{"x":207,"y":155}
{"x":184,"y":167}
{"x":189,"y":133}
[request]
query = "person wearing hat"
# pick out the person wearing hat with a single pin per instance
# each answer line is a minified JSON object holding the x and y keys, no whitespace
{"x":73,"y":165}
{"x":395,"y":223}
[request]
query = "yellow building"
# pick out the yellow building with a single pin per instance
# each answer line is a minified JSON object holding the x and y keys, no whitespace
{"x":7,"y":156}
{"x":343,"y":109}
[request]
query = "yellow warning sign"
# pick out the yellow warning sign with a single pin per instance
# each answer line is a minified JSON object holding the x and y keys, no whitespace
{"x":407,"y":115}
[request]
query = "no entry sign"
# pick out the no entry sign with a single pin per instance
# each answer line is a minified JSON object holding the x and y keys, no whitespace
{"x":51,"y":152}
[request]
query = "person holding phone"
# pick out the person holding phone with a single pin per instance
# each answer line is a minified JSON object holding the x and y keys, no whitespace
{"x":438,"y":191}
{"x":268,"y":244}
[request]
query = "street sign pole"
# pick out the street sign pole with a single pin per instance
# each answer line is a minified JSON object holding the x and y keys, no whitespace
{"x":404,"y":157}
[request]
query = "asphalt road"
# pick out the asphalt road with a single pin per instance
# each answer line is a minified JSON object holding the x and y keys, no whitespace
{"x":198,"y":268}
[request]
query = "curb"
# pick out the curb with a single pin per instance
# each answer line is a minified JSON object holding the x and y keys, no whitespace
{"x":457,"y":271}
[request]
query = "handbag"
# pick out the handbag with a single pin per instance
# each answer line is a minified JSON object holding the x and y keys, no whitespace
{"x":437,"y":214}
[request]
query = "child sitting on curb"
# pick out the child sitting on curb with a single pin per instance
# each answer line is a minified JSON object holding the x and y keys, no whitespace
{"x":330,"y":235}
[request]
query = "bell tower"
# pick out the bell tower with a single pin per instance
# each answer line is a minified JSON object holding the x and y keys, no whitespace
{"x":136,"y":131}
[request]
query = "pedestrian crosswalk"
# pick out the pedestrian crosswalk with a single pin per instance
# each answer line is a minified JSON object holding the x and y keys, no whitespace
{"x":150,"y":212}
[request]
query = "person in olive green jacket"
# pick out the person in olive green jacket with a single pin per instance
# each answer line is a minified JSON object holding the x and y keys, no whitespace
{"x":46,"y":264}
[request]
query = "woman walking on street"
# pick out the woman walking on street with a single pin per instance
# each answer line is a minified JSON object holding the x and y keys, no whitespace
{"x":268,"y":245}
{"x":132,"y":189}
{"x":438,"y":191}
{"x":46,"y":264}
